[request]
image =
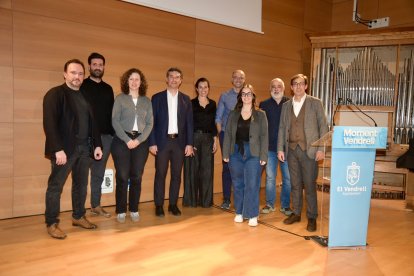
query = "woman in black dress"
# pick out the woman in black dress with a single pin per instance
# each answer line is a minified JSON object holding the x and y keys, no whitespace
{"x":199,"y":169}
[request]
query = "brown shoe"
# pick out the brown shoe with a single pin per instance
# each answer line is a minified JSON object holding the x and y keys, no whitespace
{"x":55,"y":232}
{"x":292,"y":219}
{"x":311,"y":225}
{"x":84,"y":223}
{"x":99,"y":211}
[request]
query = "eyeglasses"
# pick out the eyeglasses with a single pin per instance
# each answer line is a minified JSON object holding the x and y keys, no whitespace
{"x":237,"y":78}
{"x":297,"y":84}
{"x":248,"y":94}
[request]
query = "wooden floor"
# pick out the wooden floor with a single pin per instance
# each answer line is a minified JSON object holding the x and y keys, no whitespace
{"x":206,"y":242}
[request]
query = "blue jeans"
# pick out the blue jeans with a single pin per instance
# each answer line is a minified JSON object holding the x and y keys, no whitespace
{"x":225,"y":175}
{"x":271,"y":173}
{"x":245,"y":173}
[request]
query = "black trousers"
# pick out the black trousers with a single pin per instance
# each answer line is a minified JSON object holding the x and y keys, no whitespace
{"x":172,"y":155}
{"x":199,"y":173}
{"x":129,"y":165}
{"x":78,"y":164}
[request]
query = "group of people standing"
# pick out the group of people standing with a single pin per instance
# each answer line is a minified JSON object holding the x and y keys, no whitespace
{"x":83,"y":119}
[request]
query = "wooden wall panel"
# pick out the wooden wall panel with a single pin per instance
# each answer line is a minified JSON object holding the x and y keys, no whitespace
{"x":29,"y":195}
{"x":113,"y":15}
{"x":6,"y":94}
{"x":6,"y":197}
{"x":5,"y":37}
{"x":6,"y":150}
{"x":29,"y":148}
{"x":42,"y":43}
{"x":30,"y":86}
{"x":278,"y":40}
{"x":6,"y":4}
{"x":306,"y":54}
{"x":400,"y":13}
{"x":259,"y":69}
{"x":285,"y":12}
{"x":342,"y":16}
{"x":318,"y":16}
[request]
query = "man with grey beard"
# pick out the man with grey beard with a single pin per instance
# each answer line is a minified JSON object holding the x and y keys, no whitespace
{"x":273,"y":108}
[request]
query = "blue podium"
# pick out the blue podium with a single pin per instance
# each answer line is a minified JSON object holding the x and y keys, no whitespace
{"x":352,"y":172}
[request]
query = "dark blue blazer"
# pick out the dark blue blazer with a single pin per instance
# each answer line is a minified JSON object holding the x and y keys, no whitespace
{"x":159,"y":132}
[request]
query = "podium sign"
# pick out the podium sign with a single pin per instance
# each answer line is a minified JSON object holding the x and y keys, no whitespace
{"x":352,"y":172}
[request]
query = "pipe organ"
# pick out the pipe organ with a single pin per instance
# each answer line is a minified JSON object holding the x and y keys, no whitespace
{"x":372,"y":69}
{"x":404,"y":115}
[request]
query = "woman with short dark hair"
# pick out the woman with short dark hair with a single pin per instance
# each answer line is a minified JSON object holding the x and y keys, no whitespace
{"x":132,"y":121}
{"x":199,"y":169}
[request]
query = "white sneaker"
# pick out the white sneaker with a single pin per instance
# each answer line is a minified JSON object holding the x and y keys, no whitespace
{"x":253,"y":222}
{"x":238,"y":218}
{"x":134,"y":216}
{"x":121,"y":217}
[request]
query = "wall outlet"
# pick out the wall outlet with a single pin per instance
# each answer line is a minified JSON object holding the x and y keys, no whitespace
{"x":380,"y":23}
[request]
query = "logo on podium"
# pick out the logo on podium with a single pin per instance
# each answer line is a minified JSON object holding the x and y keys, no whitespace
{"x":352,"y":173}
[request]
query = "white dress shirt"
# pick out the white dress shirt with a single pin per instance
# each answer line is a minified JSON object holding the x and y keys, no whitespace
{"x":135,"y":128}
{"x":298,"y":105}
{"x":172,"y":113}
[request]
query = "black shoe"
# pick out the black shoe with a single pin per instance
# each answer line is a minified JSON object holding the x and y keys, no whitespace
{"x":292,"y":219}
{"x":174,"y":210}
{"x":159,"y":211}
{"x":311,"y":225}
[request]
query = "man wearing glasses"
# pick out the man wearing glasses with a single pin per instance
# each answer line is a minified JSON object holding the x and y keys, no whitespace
{"x":295,"y":146}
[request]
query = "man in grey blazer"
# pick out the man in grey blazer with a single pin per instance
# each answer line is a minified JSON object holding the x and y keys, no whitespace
{"x":302,"y":122}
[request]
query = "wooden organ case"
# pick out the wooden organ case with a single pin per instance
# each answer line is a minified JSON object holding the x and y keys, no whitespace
{"x":368,"y":76}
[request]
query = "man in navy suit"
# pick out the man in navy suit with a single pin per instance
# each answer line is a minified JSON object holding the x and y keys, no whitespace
{"x":171,"y":139}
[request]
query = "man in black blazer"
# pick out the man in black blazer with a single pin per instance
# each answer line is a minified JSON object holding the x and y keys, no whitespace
{"x":171,"y":139}
{"x":68,"y":124}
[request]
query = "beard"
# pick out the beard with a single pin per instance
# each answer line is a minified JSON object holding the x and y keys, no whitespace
{"x":97,"y":73}
{"x":74,"y":83}
{"x":277,"y":97}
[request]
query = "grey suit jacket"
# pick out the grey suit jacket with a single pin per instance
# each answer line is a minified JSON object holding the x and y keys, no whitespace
{"x":315,"y":125}
{"x":259,"y":137}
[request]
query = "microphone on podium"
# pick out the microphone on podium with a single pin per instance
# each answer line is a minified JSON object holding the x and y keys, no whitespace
{"x":351,"y":102}
{"x":336,"y":110}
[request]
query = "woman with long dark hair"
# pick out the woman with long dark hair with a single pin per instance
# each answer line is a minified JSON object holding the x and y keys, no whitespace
{"x":245,"y":147}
